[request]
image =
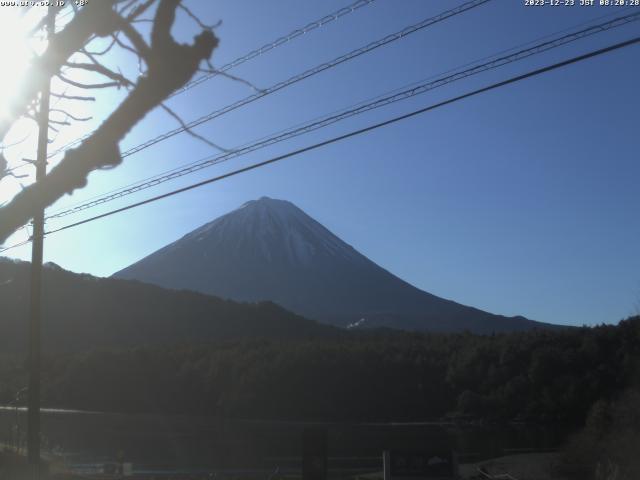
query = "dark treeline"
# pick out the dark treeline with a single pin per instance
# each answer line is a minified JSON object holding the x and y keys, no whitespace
{"x":607,"y":446}
{"x":553,"y":376}
{"x":82,"y":312}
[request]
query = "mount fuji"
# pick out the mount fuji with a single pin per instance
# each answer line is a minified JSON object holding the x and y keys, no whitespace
{"x":271,"y":250}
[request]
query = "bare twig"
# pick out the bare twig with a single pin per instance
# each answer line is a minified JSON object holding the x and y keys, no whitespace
{"x":73,"y":83}
{"x":139,"y":10}
{"x":120,"y":79}
{"x":5,"y":171}
{"x":140,"y":46}
{"x":189,"y":131}
{"x":12,"y":174}
{"x":199,"y":22}
{"x":72,"y":117}
{"x":73,"y":97}
{"x":215,"y":71}
{"x":124,"y":46}
{"x":107,"y":49}
{"x":58,"y":122}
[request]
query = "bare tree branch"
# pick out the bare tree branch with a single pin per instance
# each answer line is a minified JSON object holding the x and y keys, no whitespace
{"x":72,"y":117}
{"x":198,"y":21}
{"x":120,"y":79}
{"x":107,"y":49}
{"x":73,"y":97}
{"x":215,"y":71}
{"x":5,"y":171}
{"x":140,"y":46}
{"x":96,"y":19}
{"x":139,"y":10}
{"x":57,"y":122}
{"x":73,"y":83}
{"x":170,"y":66}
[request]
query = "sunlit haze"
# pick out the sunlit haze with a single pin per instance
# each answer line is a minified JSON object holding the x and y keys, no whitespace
{"x":15,"y":55}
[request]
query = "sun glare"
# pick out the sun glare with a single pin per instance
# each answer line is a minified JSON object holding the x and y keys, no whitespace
{"x":15,"y":55}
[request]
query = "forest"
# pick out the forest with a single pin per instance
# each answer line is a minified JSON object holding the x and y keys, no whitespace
{"x":585,"y":380}
{"x":379,"y":375}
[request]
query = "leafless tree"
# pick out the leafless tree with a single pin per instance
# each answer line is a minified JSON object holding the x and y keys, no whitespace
{"x":164,"y":66}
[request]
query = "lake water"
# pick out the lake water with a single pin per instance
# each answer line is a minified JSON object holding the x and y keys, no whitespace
{"x":182,"y":442}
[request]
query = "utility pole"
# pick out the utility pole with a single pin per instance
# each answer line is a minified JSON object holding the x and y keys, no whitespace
{"x":33,"y":407}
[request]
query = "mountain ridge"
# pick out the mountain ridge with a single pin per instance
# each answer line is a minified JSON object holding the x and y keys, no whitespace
{"x":82,"y":312}
{"x":270,"y":249}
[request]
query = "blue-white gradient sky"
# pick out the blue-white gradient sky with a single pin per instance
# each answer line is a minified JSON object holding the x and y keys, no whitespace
{"x":521,"y":201}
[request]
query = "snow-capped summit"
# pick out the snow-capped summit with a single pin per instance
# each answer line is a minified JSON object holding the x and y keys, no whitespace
{"x":274,"y":230}
{"x":269,"y":249}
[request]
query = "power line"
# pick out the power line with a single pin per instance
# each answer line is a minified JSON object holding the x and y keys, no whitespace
{"x":427,"y":22}
{"x":321,"y":22}
{"x":415,"y":89}
{"x":361,"y":131}
{"x":274,"y":44}
{"x":17,"y":167}
{"x":19,"y":244}
{"x":301,"y":76}
{"x":459,"y":67}
{"x":16,"y":245}
{"x":234,"y":63}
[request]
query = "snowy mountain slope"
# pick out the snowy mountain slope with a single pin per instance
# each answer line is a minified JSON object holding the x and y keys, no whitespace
{"x":271,"y":250}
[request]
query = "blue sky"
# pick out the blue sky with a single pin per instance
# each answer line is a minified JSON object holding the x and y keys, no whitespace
{"x":521,"y":201}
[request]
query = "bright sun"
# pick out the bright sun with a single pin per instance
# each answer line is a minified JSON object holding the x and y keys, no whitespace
{"x":15,"y":54}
